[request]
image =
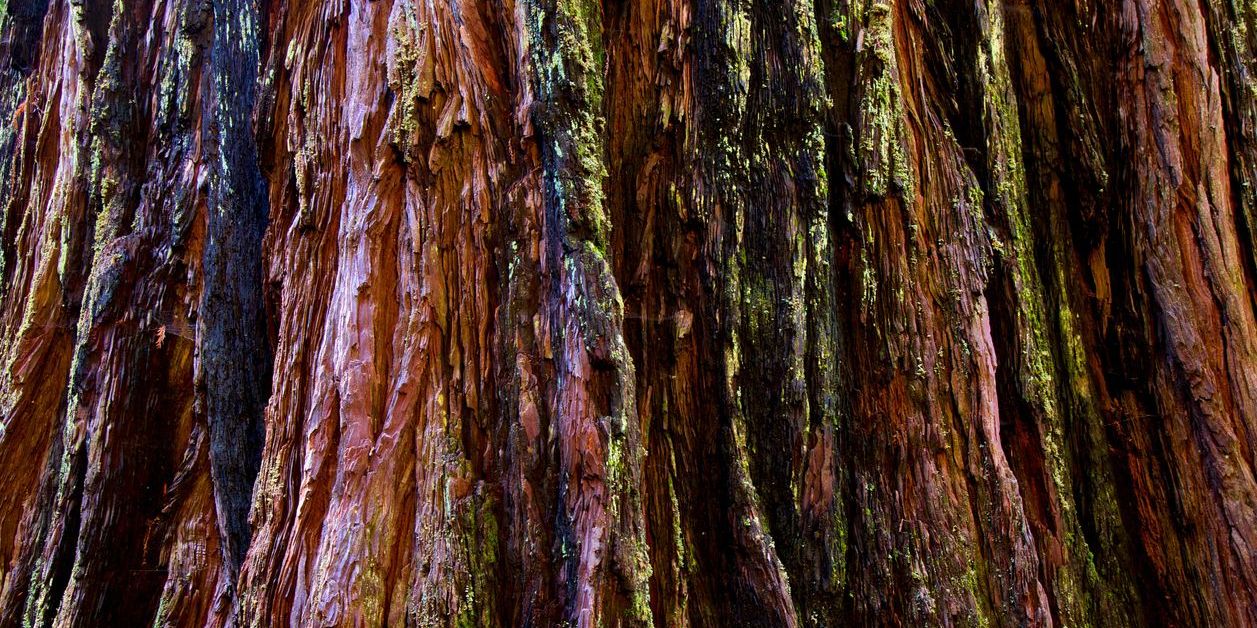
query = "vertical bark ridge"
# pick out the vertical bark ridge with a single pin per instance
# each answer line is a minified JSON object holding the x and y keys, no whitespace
{"x":668,"y":312}
{"x":605,"y":568}
{"x":38,"y":314}
{"x":131,"y":231}
{"x":235,"y":359}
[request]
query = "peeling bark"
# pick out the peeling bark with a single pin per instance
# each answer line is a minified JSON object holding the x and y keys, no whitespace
{"x":665,"y":312}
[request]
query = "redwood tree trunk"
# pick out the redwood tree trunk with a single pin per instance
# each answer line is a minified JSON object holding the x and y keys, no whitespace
{"x":628,"y":312}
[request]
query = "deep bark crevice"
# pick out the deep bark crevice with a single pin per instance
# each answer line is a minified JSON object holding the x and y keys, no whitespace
{"x":662,"y":312}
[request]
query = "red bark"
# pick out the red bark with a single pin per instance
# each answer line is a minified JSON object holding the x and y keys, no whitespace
{"x":670,"y":312}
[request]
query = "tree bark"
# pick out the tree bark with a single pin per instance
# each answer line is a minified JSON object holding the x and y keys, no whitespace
{"x":661,"y":312}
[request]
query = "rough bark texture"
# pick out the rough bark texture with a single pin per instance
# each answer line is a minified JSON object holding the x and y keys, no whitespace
{"x":650,"y":312}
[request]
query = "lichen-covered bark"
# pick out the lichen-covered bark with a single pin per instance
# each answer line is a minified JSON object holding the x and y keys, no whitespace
{"x":107,"y":491}
{"x":664,"y":312}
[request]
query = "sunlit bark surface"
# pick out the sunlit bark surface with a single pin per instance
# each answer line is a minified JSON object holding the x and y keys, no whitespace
{"x":628,"y":312}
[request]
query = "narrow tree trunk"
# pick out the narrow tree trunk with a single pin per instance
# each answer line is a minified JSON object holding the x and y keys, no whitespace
{"x":653,"y":312}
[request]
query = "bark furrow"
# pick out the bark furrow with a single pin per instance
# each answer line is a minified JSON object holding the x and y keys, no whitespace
{"x":662,"y":312}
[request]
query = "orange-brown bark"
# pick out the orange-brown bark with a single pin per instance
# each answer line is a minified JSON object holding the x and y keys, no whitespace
{"x":664,"y":312}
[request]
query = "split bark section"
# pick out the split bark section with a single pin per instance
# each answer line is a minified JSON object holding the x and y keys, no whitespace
{"x":664,"y":312}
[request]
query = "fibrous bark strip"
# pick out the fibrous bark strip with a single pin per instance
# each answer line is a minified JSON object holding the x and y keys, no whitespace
{"x":662,"y":312}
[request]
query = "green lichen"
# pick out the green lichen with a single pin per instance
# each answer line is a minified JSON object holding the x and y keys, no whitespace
{"x":480,"y":524}
{"x":566,"y":58}
{"x":882,"y":134}
{"x":410,"y":72}
{"x":1077,"y":580}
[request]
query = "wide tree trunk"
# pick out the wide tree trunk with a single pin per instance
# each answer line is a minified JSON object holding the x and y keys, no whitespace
{"x":628,"y":312}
